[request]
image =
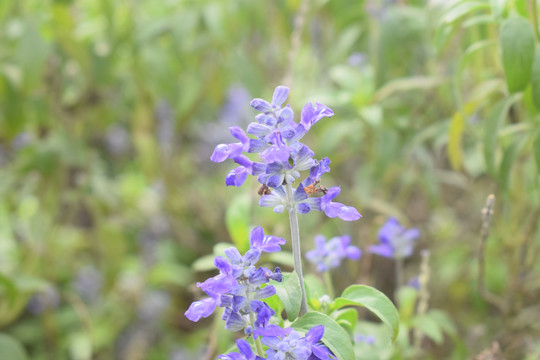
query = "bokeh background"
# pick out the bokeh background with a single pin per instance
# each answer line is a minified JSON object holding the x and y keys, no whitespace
{"x":110,"y":208}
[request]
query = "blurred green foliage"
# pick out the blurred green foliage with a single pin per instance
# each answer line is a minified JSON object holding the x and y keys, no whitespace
{"x":109,"y":111}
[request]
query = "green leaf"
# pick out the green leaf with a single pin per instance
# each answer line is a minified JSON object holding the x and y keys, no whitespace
{"x":429,"y":327}
{"x":169,"y":274}
{"x":497,"y":7}
{"x":237,"y":220}
{"x":455,"y":153}
{"x":335,"y":337}
{"x":7,"y":285}
{"x":509,"y":157}
{"x":314,"y":287}
{"x":11,"y":349}
{"x":347,"y":318}
{"x":375,"y":301}
{"x":491,"y":130}
{"x":290,"y":294}
{"x":444,"y":321}
{"x":537,"y":151}
{"x":517,"y":42}
{"x":461,"y":9}
{"x":407,"y":302}
{"x":535,"y":78}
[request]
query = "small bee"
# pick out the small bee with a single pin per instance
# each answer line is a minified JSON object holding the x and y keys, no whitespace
{"x":264,"y":190}
{"x":313,"y":188}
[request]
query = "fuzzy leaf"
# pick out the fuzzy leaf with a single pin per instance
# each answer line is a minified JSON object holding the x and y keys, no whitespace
{"x":290,"y":294}
{"x":375,"y":301}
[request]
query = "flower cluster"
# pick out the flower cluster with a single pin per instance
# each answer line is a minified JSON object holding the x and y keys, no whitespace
{"x":328,"y":254}
{"x":276,"y":140}
{"x":284,"y":344}
{"x":396,"y":241}
{"x":238,"y":288}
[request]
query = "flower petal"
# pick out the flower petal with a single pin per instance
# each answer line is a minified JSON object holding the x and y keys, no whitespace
{"x":280,"y":95}
{"x":261,"y":105}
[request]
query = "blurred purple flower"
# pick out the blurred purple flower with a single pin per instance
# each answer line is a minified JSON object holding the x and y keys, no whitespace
{"x":45,"y":300}
{"x":367,"y":339}
{"x":88,"y":283}
{"x":117,"y":140}
{"x":329,"y":254}
{"x":357,"y":59}
{"x":396,"y":241}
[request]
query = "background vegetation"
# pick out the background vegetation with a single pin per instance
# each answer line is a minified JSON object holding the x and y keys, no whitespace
{"x":109,"y":205}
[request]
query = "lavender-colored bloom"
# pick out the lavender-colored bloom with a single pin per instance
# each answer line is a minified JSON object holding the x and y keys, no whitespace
{"x":284,"y":344}
{"x":276,"y":141}
{"x":202,"y":308}
{"x":245,"y":352}
{"x":396,"y":241}
{"x":334,"y":209}
{"x":263,"y":311}
{"x":239,"y":280}
{"x":362,"y":338}
{"x":328,"y":255}
{"x":266,"y":243}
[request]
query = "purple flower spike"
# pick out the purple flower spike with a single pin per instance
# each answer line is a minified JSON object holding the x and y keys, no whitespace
{"x":245,"y":352}
{"x":328,"y":255}
{"x":396,"y":241}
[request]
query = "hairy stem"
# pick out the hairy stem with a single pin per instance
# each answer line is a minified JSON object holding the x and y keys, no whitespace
{"x":295,"y":239}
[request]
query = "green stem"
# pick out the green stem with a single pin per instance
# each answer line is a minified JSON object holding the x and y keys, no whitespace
{"x":535,"y":19}
{"x":329,"y":284}
{"x":258,"y":343}
{"x":399,"y":275}
{"x":295,"y":239}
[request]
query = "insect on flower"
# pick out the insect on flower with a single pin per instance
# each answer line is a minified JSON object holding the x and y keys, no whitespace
{"x":264,"y":190}
{"x":313,"y":188}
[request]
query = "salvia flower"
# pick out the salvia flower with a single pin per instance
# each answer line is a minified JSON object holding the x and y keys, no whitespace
{"x":395,"y":241}
{"x":245,"y":352}
{"x":238,"y":286}
{"x":287,"y":344}
{"x":275,"y":137}
{"x":329,"y":254}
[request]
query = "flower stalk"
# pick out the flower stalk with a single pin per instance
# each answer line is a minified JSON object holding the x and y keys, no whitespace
{"x":295,"y":239}
{"x":329,"y":284}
